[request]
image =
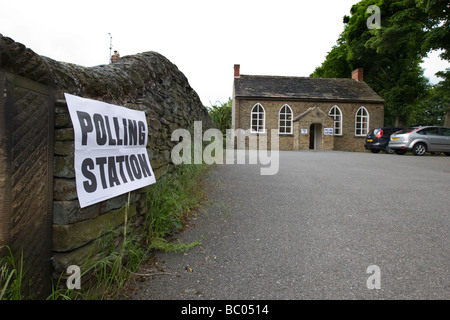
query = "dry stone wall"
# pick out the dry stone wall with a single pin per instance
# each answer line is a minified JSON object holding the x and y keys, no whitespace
{"x":146,"y":81}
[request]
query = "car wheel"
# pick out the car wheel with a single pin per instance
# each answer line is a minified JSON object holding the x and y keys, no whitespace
{"x":419,"y":149}
{"x":400,"y":152}
{"x":389,"y":150}
{"x":375,"y":150}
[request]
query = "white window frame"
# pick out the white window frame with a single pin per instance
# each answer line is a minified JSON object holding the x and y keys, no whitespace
{"x":362,"y":130}
{"x":285,"y":115}
{"x":256,"y":115}
{"x":337,"y":123}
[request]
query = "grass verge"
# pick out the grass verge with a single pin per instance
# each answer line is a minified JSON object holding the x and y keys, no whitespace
{"x":170,"y":202}
{"x":11,"y":276}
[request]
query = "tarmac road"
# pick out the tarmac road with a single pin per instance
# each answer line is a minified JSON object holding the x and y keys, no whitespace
{"x":312,"y":230}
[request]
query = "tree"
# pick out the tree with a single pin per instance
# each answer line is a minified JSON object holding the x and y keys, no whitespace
{"x":437,"y":37}
{"x":391,"y":55}
{"x":442,"y":90}
{"x":220,"y":113}
{"x":416,"y":28}
{"x":431,"y":110}
{"x":335,"y":65}
{"x":436,"y":26}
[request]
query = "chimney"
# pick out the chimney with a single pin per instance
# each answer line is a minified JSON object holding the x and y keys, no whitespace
{"x":115,"y":57}
{"x":358,"y":74}
{"x":237,"y":70}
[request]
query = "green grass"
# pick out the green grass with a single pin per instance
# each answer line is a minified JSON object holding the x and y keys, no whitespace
{"x":171,"y":247}
{"x":172,"y":200}
{"x":11,"y":276}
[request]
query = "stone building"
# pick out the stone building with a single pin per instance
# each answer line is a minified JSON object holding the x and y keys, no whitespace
{"x":309,"y":113}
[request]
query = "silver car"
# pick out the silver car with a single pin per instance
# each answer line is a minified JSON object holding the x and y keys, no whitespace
{"x":420,"y":140}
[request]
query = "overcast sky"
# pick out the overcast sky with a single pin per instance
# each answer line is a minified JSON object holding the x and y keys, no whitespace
{"x":204,"y":38}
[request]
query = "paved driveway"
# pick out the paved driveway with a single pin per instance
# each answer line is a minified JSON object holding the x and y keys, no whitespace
{"x":312,"y":230}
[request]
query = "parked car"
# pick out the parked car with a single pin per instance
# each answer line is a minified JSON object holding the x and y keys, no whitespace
{"x":378,"y":139}
{"x":421,"y":140}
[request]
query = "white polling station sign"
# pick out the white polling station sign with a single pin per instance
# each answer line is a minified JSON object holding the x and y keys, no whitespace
{"x":110,"y":149}
{"x":328,"y":131}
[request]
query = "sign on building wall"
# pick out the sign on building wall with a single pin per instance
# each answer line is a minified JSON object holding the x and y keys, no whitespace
{"x":110,"y":149}
{"x":328,"y":131}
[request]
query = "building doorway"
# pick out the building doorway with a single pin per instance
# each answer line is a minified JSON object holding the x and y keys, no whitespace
{"x":315,"y":136}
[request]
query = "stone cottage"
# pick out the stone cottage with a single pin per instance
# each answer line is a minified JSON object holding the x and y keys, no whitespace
{"x":309,"y":113}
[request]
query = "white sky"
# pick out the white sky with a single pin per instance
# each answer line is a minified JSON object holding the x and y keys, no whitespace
{"x":204,"y":38}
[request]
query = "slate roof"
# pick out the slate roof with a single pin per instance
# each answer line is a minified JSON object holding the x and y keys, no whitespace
{"x":303,"y":88}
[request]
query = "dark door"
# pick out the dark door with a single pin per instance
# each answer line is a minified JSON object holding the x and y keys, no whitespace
{"x":312,"y":136}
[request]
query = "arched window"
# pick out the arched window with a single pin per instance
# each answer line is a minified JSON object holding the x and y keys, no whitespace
{"x":336,"y":114}
{"x":285,"y":120}
{"x":258,"y":119}
{"x":361,"y":122}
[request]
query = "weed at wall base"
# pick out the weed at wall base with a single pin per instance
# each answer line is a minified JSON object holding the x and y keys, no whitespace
{"x":11,"y":276}
{"x":170,"y":201}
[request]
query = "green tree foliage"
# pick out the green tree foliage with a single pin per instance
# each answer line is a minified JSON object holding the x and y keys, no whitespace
{"x":336,"y":65}
{"x":418,"y":27}
{"x":437,"y":37}
{"x":436,"y":26}
{"x":391,"y":55}
{"x":432,"y":109}
{"x":220,"y":113}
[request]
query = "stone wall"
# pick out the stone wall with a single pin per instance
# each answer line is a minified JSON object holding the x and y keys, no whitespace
{"x":145,"y":81}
